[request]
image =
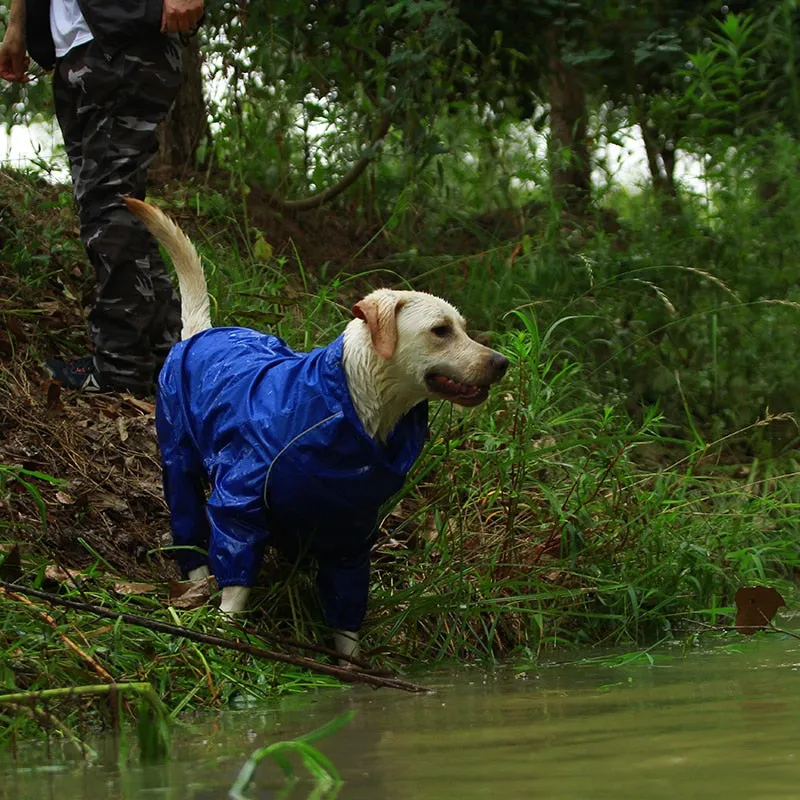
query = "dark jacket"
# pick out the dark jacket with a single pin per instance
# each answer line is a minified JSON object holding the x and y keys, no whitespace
{"x":113,"y":25}
{"x":275,"y":434}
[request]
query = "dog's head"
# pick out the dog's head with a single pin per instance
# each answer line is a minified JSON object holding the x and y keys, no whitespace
{"x":426,"y":341}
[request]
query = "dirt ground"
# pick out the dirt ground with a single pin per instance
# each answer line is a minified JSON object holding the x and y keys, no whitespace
{"x":108,"y":501}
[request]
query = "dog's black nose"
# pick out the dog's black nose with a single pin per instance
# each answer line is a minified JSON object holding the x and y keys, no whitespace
{"x":499,"y":365}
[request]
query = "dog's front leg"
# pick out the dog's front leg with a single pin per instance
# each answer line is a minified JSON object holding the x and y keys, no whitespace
{"x":343,"y":584}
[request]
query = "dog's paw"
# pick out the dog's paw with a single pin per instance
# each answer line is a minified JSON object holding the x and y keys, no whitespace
{"x":234,"y":599}
{"x":199,"y":573}
{"x":347,"y":643}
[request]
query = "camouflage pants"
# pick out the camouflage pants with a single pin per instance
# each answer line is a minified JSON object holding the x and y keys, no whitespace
{"x":108,"y":111}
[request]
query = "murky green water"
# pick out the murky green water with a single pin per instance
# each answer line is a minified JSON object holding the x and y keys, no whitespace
{"x":722,"y":724}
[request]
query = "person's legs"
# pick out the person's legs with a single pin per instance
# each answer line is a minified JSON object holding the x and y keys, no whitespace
{"x":108,"y":112}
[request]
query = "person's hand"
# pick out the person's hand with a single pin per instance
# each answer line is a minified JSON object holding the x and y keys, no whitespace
{"x":181,"y":16}
{"x":14,"y":59}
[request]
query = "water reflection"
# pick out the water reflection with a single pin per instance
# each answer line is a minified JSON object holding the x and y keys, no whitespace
{"x":711,"y":725}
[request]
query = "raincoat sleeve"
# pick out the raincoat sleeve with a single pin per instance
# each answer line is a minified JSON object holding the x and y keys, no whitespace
{"x":185,"y":494}
{"x":239,"y":529}
{"x":343,"y":585}
{"x":184,"y":490}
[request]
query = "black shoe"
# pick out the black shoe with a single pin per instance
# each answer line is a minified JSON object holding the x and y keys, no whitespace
{"x":77,"y":373}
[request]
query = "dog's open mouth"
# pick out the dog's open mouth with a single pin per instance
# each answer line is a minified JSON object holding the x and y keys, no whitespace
{"x":463,"y":394}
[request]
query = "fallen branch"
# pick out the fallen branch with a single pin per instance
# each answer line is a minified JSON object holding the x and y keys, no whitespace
{"x":310,"y":647}
{"x":745,"y":629}
{"x":346,"y":674}
{"x":26,"y":702}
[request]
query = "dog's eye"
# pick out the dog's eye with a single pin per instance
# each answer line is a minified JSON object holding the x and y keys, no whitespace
{"x":441,"y":331}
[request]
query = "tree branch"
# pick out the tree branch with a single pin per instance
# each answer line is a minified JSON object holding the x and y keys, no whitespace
{"x":346,"y":674}
{"x":316,"y":200}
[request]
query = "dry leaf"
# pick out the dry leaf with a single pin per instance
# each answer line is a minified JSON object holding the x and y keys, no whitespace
{"x":134,"y":588}
{"x":15,"y":327}
{"x":65,"y":499}
{"x":122,"y":427}
{"x":61,"y":575}
{"x":49,"y":306}
{"x":53,"y":395}
{"x":104,"y":500}
{"x":191,"y":594}
{"x":143,"y":405}
{"x":756,"y":607}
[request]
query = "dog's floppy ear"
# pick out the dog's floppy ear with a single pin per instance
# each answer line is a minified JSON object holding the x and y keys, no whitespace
{"x":379,"y":311}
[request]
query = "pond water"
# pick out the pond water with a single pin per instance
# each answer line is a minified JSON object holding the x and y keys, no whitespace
{"x":713,"y":724}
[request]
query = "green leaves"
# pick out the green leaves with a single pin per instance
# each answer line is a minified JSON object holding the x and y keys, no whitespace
{"x":321,"y":768}
{"x":25,"y":478}
{"x":733,"y":86}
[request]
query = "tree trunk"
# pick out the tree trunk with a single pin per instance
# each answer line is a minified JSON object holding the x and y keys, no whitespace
{"x":668,"y":160}
{"x":186,"y":127}
{"x":570,"y":162}
{"x":661,"y":161}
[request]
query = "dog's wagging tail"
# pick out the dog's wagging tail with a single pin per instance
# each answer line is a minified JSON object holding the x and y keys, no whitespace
{"x":195,"y":312}
{"x":301,"y":450}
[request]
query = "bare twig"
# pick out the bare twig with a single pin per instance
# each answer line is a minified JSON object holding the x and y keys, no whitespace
{"x":346,"y":674}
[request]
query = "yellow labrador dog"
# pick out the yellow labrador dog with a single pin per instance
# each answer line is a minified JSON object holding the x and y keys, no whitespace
{"x":300,"y":450}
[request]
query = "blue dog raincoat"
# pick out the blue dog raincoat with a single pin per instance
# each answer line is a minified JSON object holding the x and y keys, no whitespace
{"x":274,"y":435}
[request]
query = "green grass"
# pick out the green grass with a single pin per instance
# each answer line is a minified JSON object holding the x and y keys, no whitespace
{"x":327,"y":780}
{"x":44,"y":647}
